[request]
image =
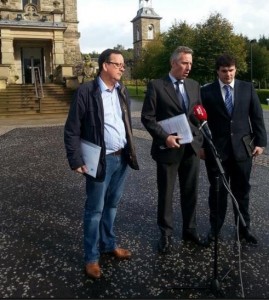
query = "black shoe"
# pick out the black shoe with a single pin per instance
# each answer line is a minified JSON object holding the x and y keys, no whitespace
{"x":165,"y":244}
{"x":248,"y":237}
{"x":193,"y":237}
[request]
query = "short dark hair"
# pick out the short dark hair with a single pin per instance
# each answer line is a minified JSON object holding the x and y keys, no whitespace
{"x":105,"y":57}
{"x":225,"y":60}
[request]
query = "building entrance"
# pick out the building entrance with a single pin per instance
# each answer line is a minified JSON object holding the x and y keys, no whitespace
{"x":32,"y":57}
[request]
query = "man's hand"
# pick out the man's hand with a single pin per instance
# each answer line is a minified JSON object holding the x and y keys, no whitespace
{"x":82,"y":170}
{"x":257,"y":151}
{"x":172,"y":141}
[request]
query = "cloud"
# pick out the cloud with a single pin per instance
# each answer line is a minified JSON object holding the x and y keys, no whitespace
{"x":107,"y":23}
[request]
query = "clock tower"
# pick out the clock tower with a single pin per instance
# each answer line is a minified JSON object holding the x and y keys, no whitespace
{"x":146,"y":26}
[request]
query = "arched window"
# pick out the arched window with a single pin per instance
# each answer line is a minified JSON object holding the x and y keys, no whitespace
{"x":150,"y":32}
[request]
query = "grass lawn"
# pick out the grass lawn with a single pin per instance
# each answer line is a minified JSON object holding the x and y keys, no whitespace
{"x":265,"y":106}
{"x":138,"y":92}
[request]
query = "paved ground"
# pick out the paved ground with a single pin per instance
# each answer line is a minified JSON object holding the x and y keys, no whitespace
{"x":41,"y":228}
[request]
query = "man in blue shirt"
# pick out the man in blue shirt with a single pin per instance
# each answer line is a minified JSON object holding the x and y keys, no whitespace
{"x":100,"y":114}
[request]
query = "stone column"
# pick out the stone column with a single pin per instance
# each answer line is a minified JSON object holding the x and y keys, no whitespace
{"x":58,"y":49}
{"x":7,"y":47}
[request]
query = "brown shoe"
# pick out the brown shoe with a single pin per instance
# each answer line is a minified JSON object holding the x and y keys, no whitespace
{"x":121,"y":253}
{"x":93,"y":270}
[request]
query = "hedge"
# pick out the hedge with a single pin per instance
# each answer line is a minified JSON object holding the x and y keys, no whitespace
{"x":263,"y":95}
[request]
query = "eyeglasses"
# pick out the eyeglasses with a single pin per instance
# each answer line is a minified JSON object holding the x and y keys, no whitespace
{"x":117,"y":65}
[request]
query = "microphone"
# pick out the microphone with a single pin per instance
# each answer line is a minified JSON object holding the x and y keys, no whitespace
{"x":201,"y":115}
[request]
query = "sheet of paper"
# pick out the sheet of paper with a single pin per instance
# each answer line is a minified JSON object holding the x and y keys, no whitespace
{"x":91,"y":155}
{"x":179,"y":125}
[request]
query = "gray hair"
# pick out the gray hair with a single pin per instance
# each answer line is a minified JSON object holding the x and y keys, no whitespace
{"x":180,"y":49}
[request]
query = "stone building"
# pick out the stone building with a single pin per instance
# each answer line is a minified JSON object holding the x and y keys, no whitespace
{"x":146,"y":26}
{"x":38,"y":34}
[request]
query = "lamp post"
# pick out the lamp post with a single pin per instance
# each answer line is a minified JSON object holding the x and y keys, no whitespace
{"x":251,"y":67}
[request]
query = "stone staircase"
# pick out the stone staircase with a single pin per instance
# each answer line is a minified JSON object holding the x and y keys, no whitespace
{"x":20,"y":100}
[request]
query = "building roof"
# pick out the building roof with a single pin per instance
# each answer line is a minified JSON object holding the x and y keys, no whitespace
{"x":146,"y":12}
{"x":32,"y":24}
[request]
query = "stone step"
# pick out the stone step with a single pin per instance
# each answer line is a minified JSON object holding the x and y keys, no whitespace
{"x":21,"y":99}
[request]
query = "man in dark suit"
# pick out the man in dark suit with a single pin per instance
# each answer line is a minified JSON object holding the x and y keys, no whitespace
{"x":230,"y":122}
{"x":165,"y":98}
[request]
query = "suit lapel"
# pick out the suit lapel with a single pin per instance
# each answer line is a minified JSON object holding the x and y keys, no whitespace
{"x":236,"y":92}
{"x":217,"y":96}
{"x":191,"y":94}
{"x":170,"y":90}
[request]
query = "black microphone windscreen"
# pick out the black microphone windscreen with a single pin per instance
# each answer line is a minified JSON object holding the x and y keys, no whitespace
{"x":194,"y":120}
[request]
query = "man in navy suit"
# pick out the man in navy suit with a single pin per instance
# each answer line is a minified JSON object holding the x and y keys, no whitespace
{"x":241,"y":119}
{"x":170,"y":96}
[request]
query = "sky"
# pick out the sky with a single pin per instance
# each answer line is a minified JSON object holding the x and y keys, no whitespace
{"x":107,"y":23}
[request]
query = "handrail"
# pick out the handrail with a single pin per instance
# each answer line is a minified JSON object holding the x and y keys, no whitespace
{"x":38,"y":85}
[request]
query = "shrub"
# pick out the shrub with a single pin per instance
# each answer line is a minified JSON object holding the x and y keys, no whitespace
{"x":263,"y":95}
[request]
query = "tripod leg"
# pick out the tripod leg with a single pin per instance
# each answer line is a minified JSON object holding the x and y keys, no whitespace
{"x":216,"y":288}
{"x":215,"y":283}
{"x":216,"y":231}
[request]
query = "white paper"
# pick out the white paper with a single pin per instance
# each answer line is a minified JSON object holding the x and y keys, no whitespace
{"x":179,"y":125}
{"x":91,"y":155}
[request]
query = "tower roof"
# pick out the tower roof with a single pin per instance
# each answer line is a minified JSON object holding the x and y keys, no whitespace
{"x":146,"y":12}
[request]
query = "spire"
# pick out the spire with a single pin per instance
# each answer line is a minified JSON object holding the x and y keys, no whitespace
{"x":146,"y":10}
{"x":145,"y":3}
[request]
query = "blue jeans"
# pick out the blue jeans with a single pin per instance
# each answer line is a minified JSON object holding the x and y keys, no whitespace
{"x":101,"y":207}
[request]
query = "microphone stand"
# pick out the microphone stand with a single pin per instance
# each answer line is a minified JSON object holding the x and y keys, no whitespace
{"x":215,"y":283}
{"x":222,"y":172}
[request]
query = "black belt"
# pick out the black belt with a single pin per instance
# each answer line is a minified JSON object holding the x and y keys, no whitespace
{"x":116,"y":153}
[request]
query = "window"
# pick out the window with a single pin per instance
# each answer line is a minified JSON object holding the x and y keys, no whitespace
{"x":137,"y":33}
{"x":150,"y":32}
{"x":24,"y":2}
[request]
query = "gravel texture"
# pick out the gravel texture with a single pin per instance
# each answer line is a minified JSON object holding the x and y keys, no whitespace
{"x":41,"y":246}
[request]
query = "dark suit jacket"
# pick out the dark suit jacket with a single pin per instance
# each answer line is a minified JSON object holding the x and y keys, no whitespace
{"x":160,"y":103}
{"x":228,"y":132}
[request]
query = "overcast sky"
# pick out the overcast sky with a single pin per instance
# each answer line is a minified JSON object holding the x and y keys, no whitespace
{"x":107,"y":23}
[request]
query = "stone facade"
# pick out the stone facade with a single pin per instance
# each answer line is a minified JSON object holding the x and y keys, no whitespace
{"x":146,"y":26}
{"x":38,"y":34}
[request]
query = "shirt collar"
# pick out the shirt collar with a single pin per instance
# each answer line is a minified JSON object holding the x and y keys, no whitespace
{"x":103,"y":86}
{"x":174,"y":79}
{"x":223,"y":84}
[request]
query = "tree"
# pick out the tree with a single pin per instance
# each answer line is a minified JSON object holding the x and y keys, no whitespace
{"x":263,"y":41}
{"x":178,"y":35}
{"x":154,"y":62}
{"x":260,"y":63}
{"x":213,"y":38}
{"x":208,"y":40}
{"x":94,"y":54}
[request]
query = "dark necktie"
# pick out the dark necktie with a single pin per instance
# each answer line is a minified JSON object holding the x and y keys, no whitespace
{"x":179,"y":96}
{"x":228,"y":99}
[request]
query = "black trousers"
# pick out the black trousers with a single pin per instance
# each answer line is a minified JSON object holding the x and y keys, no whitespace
{"x":187,"y":169}
{"x":237,"y":173}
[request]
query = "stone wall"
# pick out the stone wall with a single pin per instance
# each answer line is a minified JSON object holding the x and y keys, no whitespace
{"x":66,"y":49}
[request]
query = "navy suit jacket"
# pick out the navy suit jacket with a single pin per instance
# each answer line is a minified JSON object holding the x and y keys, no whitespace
{"x":228,"y":132}
{"x":161,"y":102}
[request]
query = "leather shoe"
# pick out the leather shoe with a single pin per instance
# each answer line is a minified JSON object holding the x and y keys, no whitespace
{"x":165,"y":244}
{"x":193,"y":237}
{"x":121,"y":253}
{"x":93,"y":270}
{"x":248,"y":237}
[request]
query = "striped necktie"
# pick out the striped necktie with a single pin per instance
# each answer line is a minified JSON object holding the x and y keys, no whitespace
{"x":228,"y":99}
